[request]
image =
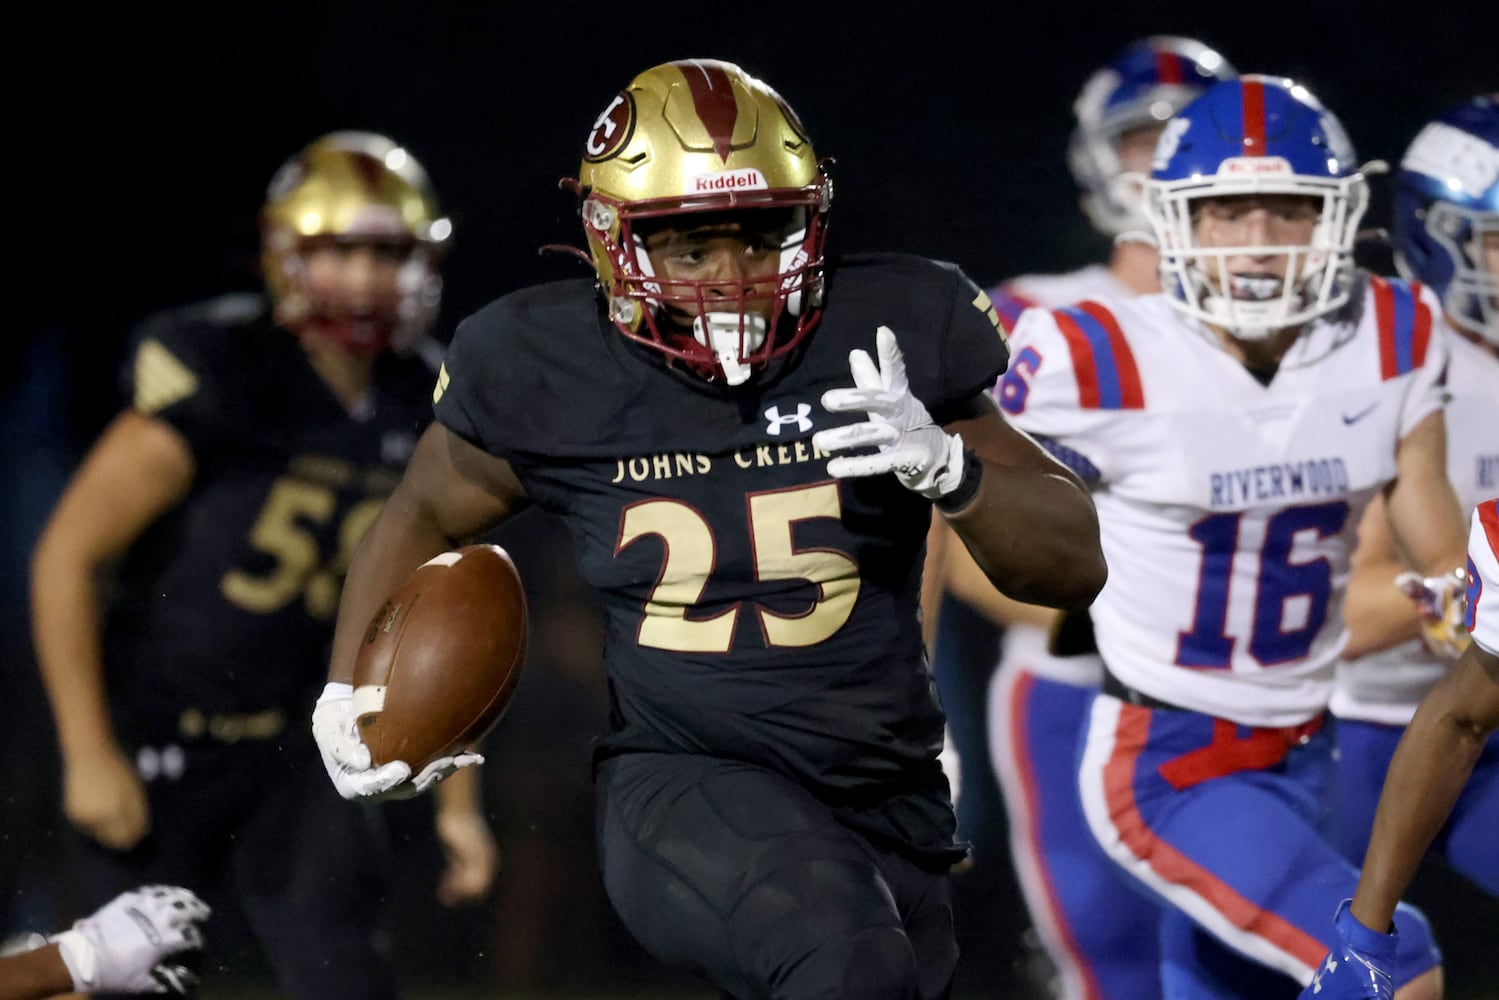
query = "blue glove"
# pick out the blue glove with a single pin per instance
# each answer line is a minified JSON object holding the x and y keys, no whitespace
{"x":1358,"y":966}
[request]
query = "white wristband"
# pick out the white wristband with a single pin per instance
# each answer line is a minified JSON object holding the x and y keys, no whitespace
{"x":80,"y":958}
{"x":335,"y":690}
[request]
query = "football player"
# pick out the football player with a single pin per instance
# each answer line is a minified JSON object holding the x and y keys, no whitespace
{"x":260,"y":439}
{"x":1235,"y":426}
{"x":1100,"y":933}
{"x":135,"y":943}
{"x":1447,"y":237}
{"x":771,"y":811}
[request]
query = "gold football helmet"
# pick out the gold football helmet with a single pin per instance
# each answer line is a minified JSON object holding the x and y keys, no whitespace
{"x":354,"y":187}
{"x":699,"y":136}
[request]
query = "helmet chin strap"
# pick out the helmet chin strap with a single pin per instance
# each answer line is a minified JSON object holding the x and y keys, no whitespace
{"x":720,"y":332}
{"x":1244,"y":320}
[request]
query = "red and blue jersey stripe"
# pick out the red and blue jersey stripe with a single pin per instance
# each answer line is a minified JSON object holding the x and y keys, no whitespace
{"x":1009,"y":304}
{"x":1107,"y":376}
{"x":1404,"y":326}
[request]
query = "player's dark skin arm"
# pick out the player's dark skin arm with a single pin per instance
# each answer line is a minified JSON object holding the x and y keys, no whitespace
{"x":1430,"y":767}
{"x":1032,"y":527}
{"x":32,"y":975}
{"x":451,"y":491}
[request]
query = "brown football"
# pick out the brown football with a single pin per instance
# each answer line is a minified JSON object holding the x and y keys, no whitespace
{"x":440,"y":660}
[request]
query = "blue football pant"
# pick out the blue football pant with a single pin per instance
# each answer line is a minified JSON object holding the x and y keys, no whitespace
{"x":1101,"y":932}
{"x":1467,"y":841}
{"x":1230,"y":827}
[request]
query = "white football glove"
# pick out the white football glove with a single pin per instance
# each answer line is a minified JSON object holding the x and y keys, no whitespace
{"x":925,"y":458}
{"x":1442,"y":603}
{"x":125,"y":946}
{"x":347,"y":759}
{"x":440,"y":768}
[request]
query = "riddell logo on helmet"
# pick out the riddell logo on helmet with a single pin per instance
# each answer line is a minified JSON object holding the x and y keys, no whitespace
{"x":1258,"y":165}
{"x":743,"y":179}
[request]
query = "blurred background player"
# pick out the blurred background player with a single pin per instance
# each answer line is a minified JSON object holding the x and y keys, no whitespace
{"x":261,"y":438}
{"x":1447,"y":238}
{"x":135,"y":943}
{"x":1099,"y":931}
{"x":1235,"y":427}
{"x":771,"y":812}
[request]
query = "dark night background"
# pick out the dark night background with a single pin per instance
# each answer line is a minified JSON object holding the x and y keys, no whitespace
{"x":139,"y":140}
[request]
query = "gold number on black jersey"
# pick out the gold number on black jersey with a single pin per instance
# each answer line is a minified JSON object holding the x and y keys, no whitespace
{"x":691,"y":554}
{"x":281,"y":532}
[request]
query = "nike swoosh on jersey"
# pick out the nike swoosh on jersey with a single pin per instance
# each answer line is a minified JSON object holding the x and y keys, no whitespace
{"x":1361,"y":414}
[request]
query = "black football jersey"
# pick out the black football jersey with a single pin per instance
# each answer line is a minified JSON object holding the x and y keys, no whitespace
{"x":756,"y":608}
{"x":226,"y":604}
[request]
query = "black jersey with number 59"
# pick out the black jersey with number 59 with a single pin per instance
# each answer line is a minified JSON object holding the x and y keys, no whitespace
{"x":756,"y":608}
{"x":226,"y":604}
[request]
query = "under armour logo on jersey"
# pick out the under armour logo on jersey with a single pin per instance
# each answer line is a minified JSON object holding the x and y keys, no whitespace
{"x":802,"y":418}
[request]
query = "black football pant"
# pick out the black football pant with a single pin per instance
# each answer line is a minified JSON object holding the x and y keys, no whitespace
{"x":742,"y":874}
{"x":259,"y":826}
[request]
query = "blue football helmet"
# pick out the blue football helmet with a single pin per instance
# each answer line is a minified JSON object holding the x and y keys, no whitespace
{"x":1255,"y":135}
{"x":1143,"y":85}
{"x":1446,"y":202}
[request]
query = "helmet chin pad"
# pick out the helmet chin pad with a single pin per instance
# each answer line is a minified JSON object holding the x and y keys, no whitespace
{"x":731,"y":336}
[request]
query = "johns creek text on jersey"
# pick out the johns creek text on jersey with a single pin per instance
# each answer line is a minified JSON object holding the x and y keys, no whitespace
{"x":677,"y":464}
{"x":1315,"y":477}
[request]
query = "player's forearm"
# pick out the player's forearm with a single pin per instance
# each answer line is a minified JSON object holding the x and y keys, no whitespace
{"x":1377,"y":614}
{"x":1427,"y":521}
{"x":972,"y":586}
{"x":1035,"y":535}
{"x":933,"y":576}
{"x":402,"y":538}
{"x":460,"y":794}
{"x":1432,"y":763}
{"x":32,"y":975}
{"x":65,"y":629}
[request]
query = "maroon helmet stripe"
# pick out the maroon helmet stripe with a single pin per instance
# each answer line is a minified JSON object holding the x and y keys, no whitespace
{"x":369,"y":170}
{"x":713,"y":100}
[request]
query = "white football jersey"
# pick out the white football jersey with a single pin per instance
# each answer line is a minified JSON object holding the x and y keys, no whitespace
{"x":1228,"y":508}
{"x":1052,"y":291}
{"x":1384,"y":687}
{"x":1483,"y":576}
{"x":1024,"y":644}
